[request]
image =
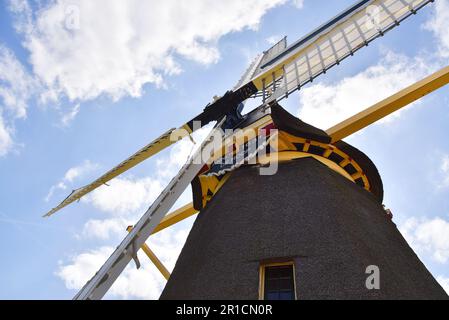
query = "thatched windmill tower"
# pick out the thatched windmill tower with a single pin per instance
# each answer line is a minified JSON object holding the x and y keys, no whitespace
{"x":307,"y":232}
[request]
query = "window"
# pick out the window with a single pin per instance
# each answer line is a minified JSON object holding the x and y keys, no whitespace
{"x":277,"y":281}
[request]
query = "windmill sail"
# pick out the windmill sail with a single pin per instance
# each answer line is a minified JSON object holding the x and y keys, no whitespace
{"x":151,"y":149}
{"x":275,"y":51}
{"x":250,"y":71}
{"x":328,"y":45}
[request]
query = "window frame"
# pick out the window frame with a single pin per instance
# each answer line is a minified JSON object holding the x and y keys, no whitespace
{"x":262,"y":268}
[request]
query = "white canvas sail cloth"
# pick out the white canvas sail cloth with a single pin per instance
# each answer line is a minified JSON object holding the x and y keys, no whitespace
{"x":333,"y":44}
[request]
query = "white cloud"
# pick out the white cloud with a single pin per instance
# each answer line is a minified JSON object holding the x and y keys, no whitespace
{"x":146,"y":283}
{"x":23,"y":9}
{"x":72,"y":175}
{"x":82,"y":49}
{"x":428,"y":237}
{"x":67,"y":118}
{"x":79,"y":171}
{"x":16,"y":87}
{"x":105,"y":229}
{"x":124,"y":196}
{"x":325,"y":105}
{"x":439,"y":24}
{"x":142,"y":284}
{"x":168,"y":244}
{"x":444,"y":282}
{"x":83,"y":267}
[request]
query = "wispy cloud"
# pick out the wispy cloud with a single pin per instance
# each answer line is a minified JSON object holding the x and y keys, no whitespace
{"x":16,"y":85}
{"x":72,"y":175}
{"x":439,"y":24}
{"x":16,"y":88}
{"x":68,"y":117}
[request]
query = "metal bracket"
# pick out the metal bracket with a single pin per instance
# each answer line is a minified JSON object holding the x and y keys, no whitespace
{"x":134,"y":255}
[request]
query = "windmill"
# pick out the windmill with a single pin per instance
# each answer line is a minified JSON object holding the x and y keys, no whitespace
{"x":311,"y":229}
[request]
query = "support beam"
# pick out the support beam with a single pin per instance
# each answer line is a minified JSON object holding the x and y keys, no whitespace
{"x":150,"y":254}
{"x":389,"y":105}
{"x":169,"y":220}
{"x":177,"y":216}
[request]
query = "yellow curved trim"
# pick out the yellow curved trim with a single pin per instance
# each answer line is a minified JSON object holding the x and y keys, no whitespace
{"x":292,"y":155}
{"x":329,"y":150}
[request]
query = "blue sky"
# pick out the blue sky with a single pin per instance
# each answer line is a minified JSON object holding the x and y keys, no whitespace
{"x":74,"y":102}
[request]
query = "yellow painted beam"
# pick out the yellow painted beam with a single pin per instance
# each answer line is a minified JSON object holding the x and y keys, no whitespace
{"x":169,"y":220}
{"x":389,"y":105}
{"x":175,"y":217}
{"x":150,"y":254}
